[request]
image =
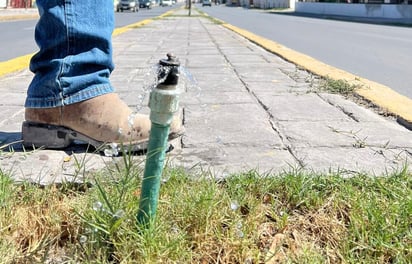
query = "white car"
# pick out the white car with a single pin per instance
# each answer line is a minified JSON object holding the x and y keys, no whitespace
{"x":166,"y":3}
{"x":206,"y":3}
{"x":132,"y":5}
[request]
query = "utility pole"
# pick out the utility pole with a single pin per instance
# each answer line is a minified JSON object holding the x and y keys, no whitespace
{"x":190,"y":7}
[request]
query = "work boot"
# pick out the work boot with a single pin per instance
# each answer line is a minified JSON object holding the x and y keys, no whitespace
{"x":100,"y":121}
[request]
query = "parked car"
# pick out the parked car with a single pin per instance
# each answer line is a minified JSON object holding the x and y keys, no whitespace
{"x":206,"y":3}
{"x":145,"y":4}
{"x":132,"y":5}
{"x":166,"y":3}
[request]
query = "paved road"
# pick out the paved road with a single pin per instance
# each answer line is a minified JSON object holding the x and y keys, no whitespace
{"x":17,"y":39}
{"x":377,"y":52}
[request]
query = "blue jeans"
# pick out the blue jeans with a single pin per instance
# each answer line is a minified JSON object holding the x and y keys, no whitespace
{"x":75,"y":57}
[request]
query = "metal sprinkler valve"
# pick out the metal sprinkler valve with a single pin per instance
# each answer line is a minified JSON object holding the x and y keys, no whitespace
{"x":169,"y":70}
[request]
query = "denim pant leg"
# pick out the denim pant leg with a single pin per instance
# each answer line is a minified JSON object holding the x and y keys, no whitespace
{"x":75,"y":57}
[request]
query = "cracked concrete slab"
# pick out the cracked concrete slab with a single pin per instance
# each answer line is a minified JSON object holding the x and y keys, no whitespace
{"x":277,"y":86}
{"x":349,"y":162}
{"x":221,"y":160}
{"x":222,"y":123}
{"x":300,"y":107}
{"x":345,"y":134}
{"x":352,"y":109}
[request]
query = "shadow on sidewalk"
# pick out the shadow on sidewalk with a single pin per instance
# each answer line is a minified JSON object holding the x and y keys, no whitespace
{"x":12,"y":142}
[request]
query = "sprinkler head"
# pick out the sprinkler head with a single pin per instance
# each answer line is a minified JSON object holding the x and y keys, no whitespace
{"x":169,"y":70}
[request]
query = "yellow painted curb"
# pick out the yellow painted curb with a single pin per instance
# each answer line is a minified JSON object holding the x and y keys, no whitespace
{"x":168,"y":13}
{"x":16,"y":64}
{"x":378,"y":94}
{"x":124,"y":29}
{"x":118,"y":31}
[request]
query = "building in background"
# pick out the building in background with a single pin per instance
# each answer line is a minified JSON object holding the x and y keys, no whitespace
{"x":17,"y":3}
{"x":387,"y":9}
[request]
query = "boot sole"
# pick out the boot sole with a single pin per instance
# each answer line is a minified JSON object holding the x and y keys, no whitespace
{"x":58,"y":137}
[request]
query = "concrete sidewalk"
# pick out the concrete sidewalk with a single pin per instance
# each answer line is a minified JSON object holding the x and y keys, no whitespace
{"x":244,"y":108}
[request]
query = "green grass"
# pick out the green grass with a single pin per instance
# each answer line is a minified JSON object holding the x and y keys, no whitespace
{"x":293,"y":217}
{"x":337,"y":86}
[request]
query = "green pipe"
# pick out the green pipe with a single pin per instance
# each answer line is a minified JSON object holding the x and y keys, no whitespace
{"x":152,"y":173}
{"x":163,"y":103}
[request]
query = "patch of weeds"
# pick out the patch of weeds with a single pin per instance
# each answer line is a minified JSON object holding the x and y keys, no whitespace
{"x":37,"y":222}
{"x":110,"y":209}
{"x":293,"y":217}
{"x":379,"y":225}
{"x":337,"y":86}
{"x":359,"y":142}
{"x":6,"y":189}
{"x":203,"y":215}
{"x":326,"y":218}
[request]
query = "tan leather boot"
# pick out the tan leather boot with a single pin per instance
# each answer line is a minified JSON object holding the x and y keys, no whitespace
{"x":99,"y":121}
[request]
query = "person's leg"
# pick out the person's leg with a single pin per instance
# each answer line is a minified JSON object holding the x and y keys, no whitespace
{"x":70,"y":96}
{"x":75,"y":58}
